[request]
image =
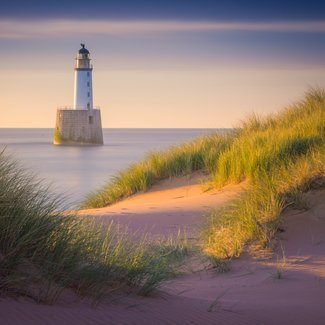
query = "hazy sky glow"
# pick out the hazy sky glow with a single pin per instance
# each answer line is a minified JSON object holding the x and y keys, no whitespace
{"x":177,"y":64}
{"x":15,"y":29}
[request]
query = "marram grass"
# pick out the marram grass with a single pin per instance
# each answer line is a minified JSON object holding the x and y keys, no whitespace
{"x":200,"y":154}
{"x":280,"y":156}
{"x":44,"y":251}
{"x":265,"y":144}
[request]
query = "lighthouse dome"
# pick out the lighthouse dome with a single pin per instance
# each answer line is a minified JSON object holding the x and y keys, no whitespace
{"x":83,"y":50}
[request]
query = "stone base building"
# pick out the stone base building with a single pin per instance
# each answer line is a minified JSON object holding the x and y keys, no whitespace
{"x":78,"y":127}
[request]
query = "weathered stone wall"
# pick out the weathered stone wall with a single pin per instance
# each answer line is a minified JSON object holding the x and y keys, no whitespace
{"x":78,"y":127}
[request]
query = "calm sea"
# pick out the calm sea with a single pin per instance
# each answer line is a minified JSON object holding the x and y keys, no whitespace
{"x":77,"y":171}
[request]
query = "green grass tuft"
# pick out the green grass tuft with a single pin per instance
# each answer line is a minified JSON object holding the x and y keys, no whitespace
{"x":44,"y":251}
{"x":57,"y":136}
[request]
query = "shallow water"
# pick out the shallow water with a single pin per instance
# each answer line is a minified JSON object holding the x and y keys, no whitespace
{"x":76,"y":171}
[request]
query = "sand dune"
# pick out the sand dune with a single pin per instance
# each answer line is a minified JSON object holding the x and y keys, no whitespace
{"x":172,"y":205}
{"x":250,"y":293}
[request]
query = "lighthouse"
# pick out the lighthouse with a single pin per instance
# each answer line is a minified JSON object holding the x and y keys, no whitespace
{"x":80,"y":124}
{"x":83,"y":87}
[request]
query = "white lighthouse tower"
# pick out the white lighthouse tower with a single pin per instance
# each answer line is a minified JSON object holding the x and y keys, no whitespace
{"x":80,"y":124}
{"x":83,"y":89}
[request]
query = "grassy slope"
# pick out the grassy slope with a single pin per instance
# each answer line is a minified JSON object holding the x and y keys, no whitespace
{"x":43,"y":251}
{"x":200,"y":154}
{"x":278,"y":155}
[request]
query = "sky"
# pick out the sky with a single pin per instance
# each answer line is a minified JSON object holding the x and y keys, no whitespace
{"x":160,"y":64}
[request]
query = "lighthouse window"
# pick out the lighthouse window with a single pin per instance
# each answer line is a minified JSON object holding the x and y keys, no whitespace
{"x":91,"y":120}
{"x":87,"y":73}
{"x":88,"y":84}
{"x":88,"y":94}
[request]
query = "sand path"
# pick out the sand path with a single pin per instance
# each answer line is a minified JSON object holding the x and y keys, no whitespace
{"x":171,"y":205}
{"x":250,"y":293}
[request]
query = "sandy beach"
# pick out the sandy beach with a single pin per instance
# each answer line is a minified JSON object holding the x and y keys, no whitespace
{"x":286,"y":287}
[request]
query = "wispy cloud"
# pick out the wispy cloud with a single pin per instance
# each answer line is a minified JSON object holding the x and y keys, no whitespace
{"x":10,"y":29}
